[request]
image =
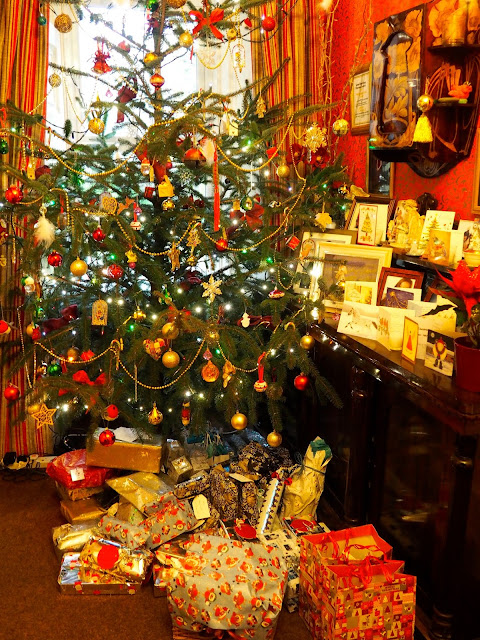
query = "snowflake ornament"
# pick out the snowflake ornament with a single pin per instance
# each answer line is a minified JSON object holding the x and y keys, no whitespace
{"x":315,"y":137}
{"x":212,"y":289}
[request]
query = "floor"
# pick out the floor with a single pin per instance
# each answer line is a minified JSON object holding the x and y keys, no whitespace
{"x":31,"y":606}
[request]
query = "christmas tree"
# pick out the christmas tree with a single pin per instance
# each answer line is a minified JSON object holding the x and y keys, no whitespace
{"x":158,"y":286}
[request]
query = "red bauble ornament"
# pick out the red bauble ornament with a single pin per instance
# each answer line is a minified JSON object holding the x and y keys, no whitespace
{"x":36,"y":334}
{"x":200,"y":204}
{"x":11,"y":392}
{"x":111,"y":412}
{"x":115,"y":271}
{"x":221,"y":244}
{"x":301,"y":382}
{"x":168,"y":165}
{"x":132,"y":265}
{"x":269,"y":23}
{"x":4,"y":327}
{"x":99,"y":235}
{"x":157,"y":80}
{"x":14,"y":195}
{"x":55,"y":259}
{"x":106,"y":438}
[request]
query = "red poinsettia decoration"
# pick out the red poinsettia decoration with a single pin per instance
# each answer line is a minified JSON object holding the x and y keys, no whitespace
{"x":296,"y":153}
{"x":465,"y":285}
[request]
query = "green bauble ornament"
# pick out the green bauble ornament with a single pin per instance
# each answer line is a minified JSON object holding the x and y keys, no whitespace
{"x":3,"y":147}
{"x":42,"y":21}
{"x":54,"y":369}
{"x":246,"y":203}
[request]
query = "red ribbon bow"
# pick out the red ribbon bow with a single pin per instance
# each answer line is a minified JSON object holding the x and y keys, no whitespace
{"x":82,"y":377}
{"x":208,"y":21}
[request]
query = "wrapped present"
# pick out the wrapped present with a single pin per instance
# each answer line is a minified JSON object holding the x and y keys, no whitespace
{"x":141,"y":488}
{"x":369,"y":595}
{"x":271,"y":501}
{"x":302,"y":495}
{"x":71,"y":537}
{"x":248,"y":498}
{"x":291,"y":593}
{"x":77,"y":511}
{"x":197,"y":454}
{"x":101,"y":556}
{"x":76,"y":494}
{"x":128,"y":512}
{"x":198,"y":483}
{"x":347,"y":545}
{"x":230,"y":585}
{"x":288,"y":544}
{"x":71,"y":470}
{"x":129,"y":535}
{"x":179,"y":469}
{"x":168,"y":518}
{"x":135,"y":456}
{"x":172,"y":450}
{"x":70,"y":582}
{"x":161,"y":577}
{"x":304,"y":526}
{"x":224,"y":493}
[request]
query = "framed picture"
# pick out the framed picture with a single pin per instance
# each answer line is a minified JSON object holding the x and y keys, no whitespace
{"x":346,"y":263}
{"x":384,"y":213}
{"x":392,"y":278}
{"x":410,"y":340}
{"x":363,"y":292}
{"x":367,"y":224}
{"x":380,"y":175}
{"x":360,"y":101}
{"x":309,"y":250}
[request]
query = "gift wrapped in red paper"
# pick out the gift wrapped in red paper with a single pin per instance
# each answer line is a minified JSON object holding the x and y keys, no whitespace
{"x":71,"y":470}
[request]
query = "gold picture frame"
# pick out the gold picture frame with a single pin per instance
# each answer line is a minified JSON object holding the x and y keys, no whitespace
{"x":360,"y":101}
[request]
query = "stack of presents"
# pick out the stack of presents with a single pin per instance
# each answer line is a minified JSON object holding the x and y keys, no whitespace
{"x":227,"y":533}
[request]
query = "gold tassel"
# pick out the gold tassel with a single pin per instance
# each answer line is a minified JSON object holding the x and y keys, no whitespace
{"x":423,"y":130}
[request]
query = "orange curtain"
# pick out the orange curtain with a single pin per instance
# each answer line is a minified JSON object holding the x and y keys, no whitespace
{"x":23,"y":75}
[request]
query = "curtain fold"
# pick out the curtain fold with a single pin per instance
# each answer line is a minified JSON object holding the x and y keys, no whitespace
{"x":23,"y":76}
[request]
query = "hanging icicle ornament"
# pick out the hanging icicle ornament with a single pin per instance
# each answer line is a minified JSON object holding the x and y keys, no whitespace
{"x":100,"y":64}
{"x":239,"y":57}
{"x":423,"y":128}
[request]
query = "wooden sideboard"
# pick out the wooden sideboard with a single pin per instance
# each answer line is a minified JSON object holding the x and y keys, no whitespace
{"x":406,"y":460}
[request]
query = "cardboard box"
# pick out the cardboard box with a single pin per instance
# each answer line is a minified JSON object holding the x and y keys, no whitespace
{"x":135,"y":456}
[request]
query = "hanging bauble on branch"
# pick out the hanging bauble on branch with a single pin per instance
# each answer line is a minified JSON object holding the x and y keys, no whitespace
{"x":78,"y":267}
{"x":100,"y":65}
{"x":151,"y":59}
{"x":185,"y":39}
{"x":106,"y":438}
{"x":99,"y":235}
{"x":170,"y":331}
{"x":3,"y":146}
{"x":13,"y":195}
{"x":55,"y":259}
{"x":111,"y":412}
{"x":63,"y":23}
{"x":301,"y":382}
{"x":170,"y":359}
{"x":269,"y":23}
{"x":239,"y":421}
{"x":54,"y":80}
{"x":186,"y":413}
{"x":5,"y":328}
{"x":11,"y":392}
{"x":193,"y":157}
{"x":307,"y":342}
{"x":157,"y":81}
{"x":210,"y":372}
{"x":274,"y":439}
{"x":340,"y":127}
{"x":155,"y":416}
{"x":96,"y":125}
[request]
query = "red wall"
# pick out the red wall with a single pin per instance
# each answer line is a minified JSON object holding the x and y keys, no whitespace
{"x":453,"y":190}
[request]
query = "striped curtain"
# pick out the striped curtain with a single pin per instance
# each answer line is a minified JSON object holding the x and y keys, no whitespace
{"x":23,"y":75}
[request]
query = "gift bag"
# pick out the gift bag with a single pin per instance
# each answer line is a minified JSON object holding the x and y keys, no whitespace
{"x":228,"y":585}
{"x":217,"y":453}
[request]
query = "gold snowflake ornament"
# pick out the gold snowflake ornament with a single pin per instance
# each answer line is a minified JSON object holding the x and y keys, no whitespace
{"x":315,"y":137}
{"x":212,"y":289}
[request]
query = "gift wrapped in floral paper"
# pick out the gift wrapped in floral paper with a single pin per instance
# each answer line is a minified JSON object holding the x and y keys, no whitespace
{"x":129,"y":535}
{"x":199,"y":483}
{"x":162,"y":575}
{"x":168,"y":518}
{"x":228,"y":584}
{"x":71,"y":537}
{"x":70,"y":582}
{"x":107,"y":556}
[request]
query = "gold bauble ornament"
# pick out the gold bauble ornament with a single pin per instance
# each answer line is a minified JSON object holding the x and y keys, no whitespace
{"x":213,"y":336}
{"x":151,"y":59}
{"x":139,"y":315}
{"x":307,"y":342}
{"x":340,"y":127}
{"x":185,"y":39}
{"x":239,"y":421}
{"x":73,"y":354}
{"x":30,"y":329}
{"x":283,"y":171}
{"x":96,"y":125}
{"x":425,"y":103}
{"x":34,"y":408}
{"x":170,"y":359}
{"x":78,"y":267}
{"x":63,"y":23}
{"x":176,"y":4}
{"x":170,"y":331}
{"x":155,"y":416}
{"x":168,"y":205}
{"x":210,"y":372}
{"x":231,"y":33}
{"x":55,"y":80}
{"x":274,"y":439}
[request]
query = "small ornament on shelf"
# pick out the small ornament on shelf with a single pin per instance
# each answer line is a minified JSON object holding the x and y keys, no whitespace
{"x":423,"y":128}
{"x":106,"y":438}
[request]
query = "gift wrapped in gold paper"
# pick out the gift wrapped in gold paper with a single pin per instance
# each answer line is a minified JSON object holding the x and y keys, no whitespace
{"x":141,"y":488}
{"x":179,"y":469}
{"x":129,"y":535}
{"x":71,"y":537}
{"x":127,"y":565}
{"x":77,"y":511}
{"x":128,"y":512}
{"x":171,"y":451}
{"x":76,"y":494}
{"x":70,"y":582}
{"x":137,"y":456}
{"x":198,"y":483}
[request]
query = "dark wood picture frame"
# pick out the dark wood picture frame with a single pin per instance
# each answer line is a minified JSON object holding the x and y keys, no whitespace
{"x":369,"y":200}
{"x":396,"y":272}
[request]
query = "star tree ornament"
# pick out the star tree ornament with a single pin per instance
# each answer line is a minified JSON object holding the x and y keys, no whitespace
{"x":43,"y":417}
{"x":212,"y":289}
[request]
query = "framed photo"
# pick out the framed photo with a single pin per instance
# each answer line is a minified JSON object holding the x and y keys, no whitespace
{"x":410,"y":340}
{"x":360,"y":101}
{"x":392,"y":278}
{"x":363,"y":292}
{"x":384,"y":213}
{"x":346,"y":263}
{"x":380,"y":175}
{"x":367,"y":224}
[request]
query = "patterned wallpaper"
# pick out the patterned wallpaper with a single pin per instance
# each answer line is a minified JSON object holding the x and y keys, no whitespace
{"x":454,"y":190}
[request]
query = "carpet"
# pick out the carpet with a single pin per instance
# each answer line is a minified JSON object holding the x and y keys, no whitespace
{"x":31,"y":605}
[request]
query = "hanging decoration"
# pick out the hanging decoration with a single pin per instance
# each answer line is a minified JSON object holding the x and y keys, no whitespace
{"x":100,"y":64}
{"x":11,"y":392}
{"x":208,"y":21}
{"x":212,"y":289}
{"x":106,"y":438}
{"x":155,"y":416}
{"x":170,"y":359}
{"x":78,"y":267}
{"x":423,"y":128}
{"x":228,"y":372}
{"x":210,"y":372}
{"x":185,"y":413}
{"x":239,"y":421}
{"x":274,"y":439}
{"x":260,"y":385}
{"x":43,"y":416}
{"x":63,"y":23}
{"x":261,"y":107}
{"x":99,"y":313}
{"x":154,"y":347}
